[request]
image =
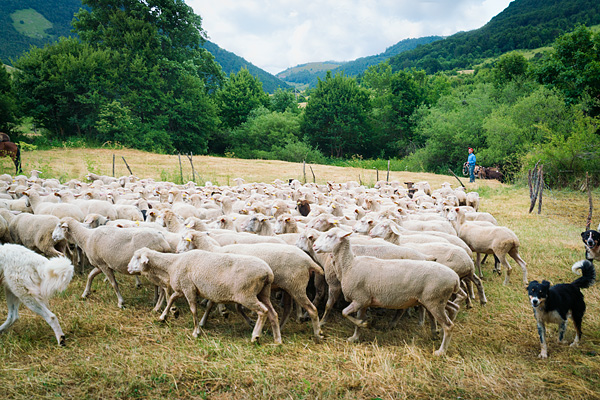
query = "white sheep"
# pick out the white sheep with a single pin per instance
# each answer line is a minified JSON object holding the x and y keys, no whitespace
{"x":488,"y":239}
{"x":35,"y":232}
{"x":107,"y":248}
{"x":221,"y":278}
{"x":59,"y":210}
{"x":396,"y":284}
{"x":291,"y":268}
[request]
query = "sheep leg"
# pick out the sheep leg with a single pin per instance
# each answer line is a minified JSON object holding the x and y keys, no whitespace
{"x":334,"y":292}
{"x":469,"y":288}
{"x":90,"y":279}
{"x":399,"y":314}
{"x":504,"y":261}
{"x":172,"y":298}
{"x":361,"y":315}
{"x":478,"y":262}
{"x":13,"y":303}
{"x":159,"y":297}
{"x":240,"y":309}
{"x":42,"y":310}
{"x":190,"y":295}
{"x":207,"y":311}
{"x":287,"y":308}
{"x":111,"y":278}
{"x":466,"y":297}
{"x":474,"y":279}
{"x":439,"y":313}
{"x":355,"y":307}
{"x":265,"y":298}
{"x":452,"y":310}
{"x":138,"y":282}
{"x":320,"y":285}
{"x":514,"y":253}
{"x":310,"y":308}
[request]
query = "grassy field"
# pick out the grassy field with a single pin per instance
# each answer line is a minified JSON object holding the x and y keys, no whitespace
{"x":31,"y":23}
{"x":114,"y":353}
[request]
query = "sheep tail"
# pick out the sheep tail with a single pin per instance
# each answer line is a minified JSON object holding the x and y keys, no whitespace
{"x":316,"y":268}
{"x":55,"y":275}
{"x":588,"y":274}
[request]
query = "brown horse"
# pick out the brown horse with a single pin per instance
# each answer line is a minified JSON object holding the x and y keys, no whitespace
{"x":12,"y":150}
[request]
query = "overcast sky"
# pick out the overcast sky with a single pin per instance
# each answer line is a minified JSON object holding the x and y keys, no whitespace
{"x":277,"y":34}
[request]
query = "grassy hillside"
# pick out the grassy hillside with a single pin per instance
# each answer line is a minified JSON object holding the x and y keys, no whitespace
{"x":307,"y":75}
{"x":37,"y":22}
{"x":231,"y":63}
{"x":31,"y":23}
{"x":524,"y":24}
{"x":114,"y":353}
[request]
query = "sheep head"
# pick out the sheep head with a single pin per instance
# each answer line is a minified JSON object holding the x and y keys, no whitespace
{"x":138,"y":262}
{"x":330,"y":241}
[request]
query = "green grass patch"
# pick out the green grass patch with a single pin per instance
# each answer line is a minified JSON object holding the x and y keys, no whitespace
{"x":31,"y":23}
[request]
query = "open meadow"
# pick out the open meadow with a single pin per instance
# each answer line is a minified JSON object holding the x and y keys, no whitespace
{"x":113,"y":353}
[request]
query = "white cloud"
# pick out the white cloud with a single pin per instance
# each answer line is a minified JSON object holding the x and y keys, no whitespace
{"x":275,"y":35}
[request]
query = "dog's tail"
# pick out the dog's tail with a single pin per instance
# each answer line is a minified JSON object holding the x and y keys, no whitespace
{"x":55,"y":275}
{"x":588,"y":274}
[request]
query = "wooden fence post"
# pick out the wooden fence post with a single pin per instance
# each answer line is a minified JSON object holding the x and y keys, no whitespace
{"x":127,"y":165}
{"x":387,"y":179}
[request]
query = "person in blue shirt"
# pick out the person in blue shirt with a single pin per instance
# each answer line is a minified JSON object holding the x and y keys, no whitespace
{"x":471,"y":161}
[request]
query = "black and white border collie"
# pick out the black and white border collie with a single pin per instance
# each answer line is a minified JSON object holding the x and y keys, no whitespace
{"x":556,"y":303}
{"x":591,"y":240}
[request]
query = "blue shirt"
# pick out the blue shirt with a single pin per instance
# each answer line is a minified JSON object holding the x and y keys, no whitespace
{"x":471,"y":159}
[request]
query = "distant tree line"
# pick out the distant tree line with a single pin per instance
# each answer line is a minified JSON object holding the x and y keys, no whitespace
{"x":138,"y":77}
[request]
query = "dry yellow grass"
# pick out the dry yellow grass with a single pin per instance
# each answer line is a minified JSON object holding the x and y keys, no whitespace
{"x":114,"y":353}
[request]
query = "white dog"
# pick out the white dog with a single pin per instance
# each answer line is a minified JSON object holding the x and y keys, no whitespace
{"x":32,"y":279}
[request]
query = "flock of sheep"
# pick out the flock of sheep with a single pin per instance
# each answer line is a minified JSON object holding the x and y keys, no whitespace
{"x":381,"y":247}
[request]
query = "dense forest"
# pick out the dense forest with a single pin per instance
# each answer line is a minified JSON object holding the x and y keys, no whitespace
{"x":138,"y":77}
{"x":16,"y":39}
{"x":524,"y":24}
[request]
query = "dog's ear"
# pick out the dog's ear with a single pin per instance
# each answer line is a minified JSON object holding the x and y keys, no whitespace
{"x":546,"y":284}
{"x":531,"y":284}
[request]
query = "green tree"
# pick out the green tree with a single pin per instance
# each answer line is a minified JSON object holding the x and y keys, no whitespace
{"x":240,"y":94}
{"x":284,"y":100}
{"x":63,"y":86}
{"x":144,"y":55}
{"x":573,"y":67}
{"x":510,"y":66}
{"x":336,"y":117}
{"x":395,"y":98}
{"x":8,"y":104}
{"x":454,"y":124}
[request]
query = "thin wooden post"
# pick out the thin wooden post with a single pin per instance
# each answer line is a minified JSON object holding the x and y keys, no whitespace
{"x":304,"y":170}
{"x":127,"y":165}
{"x":313,"y":174}
{"x":180,"y":167}
{"x":387,"y":179}
{"x":534,"y":190}
{"x":192,"y":164}
{"x":377,"y":174}
{"x":452,"y":172}
{"x":113,"y":165}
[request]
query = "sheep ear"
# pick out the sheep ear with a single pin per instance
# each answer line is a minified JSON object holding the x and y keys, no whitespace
{"x":64,"y":225}
{"x":395,"y":229}
{"x":144,"y":259}
{"x":346,"y":234}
